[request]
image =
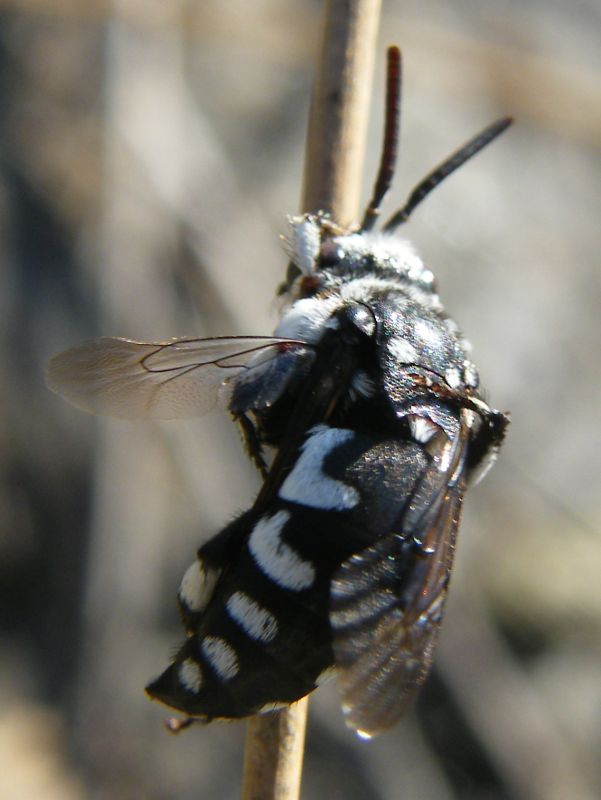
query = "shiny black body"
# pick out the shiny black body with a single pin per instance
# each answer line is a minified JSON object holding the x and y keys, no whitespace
{"x":364,"y":416}
{"x":381,"y":565}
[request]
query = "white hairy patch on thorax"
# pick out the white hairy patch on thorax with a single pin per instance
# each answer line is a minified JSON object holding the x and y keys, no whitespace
{"x":307,"y":319}
{"x":428,"y":333}
{"x":470,"y":374}
{"x":385,"y":249}
{"x":453,"y":377}
{"x":402,"y":350}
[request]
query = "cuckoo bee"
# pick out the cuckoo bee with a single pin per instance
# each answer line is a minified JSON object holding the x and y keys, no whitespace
{"x":364,"y":416}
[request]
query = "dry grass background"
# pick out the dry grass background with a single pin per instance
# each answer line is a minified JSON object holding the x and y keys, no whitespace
{"x":148,"y":154}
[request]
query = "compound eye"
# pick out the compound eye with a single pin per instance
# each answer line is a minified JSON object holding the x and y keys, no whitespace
{"x":330,"y":254}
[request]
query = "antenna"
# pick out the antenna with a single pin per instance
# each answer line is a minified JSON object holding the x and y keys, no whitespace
{"x":391,"y":137}
{"x":448,"y":166}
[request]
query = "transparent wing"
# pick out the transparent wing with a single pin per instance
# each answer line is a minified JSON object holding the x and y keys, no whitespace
{"x":386,"y":609}
{"x":161,"y":380}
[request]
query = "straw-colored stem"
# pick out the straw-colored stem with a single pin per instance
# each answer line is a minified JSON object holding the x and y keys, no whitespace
{"x":335,"y":148}
{"x":332,"y":182}
{"x":273,"y":759}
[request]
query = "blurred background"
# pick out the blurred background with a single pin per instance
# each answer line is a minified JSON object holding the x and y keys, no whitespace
{"x":149,"y":152}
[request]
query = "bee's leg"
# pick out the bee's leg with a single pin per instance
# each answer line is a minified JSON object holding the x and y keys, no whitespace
{"x":252,"y":445}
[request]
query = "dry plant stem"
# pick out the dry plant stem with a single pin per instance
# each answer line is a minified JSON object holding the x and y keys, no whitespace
{"x":273,"y":759}
{"x":332,"y":182}
{"x":340,"y":109}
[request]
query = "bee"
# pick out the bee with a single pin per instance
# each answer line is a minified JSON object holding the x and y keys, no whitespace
{"x":364,"y":416}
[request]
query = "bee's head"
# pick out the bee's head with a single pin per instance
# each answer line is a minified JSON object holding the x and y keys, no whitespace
{"x":323,"y":256}
{"x":319,"y":249}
